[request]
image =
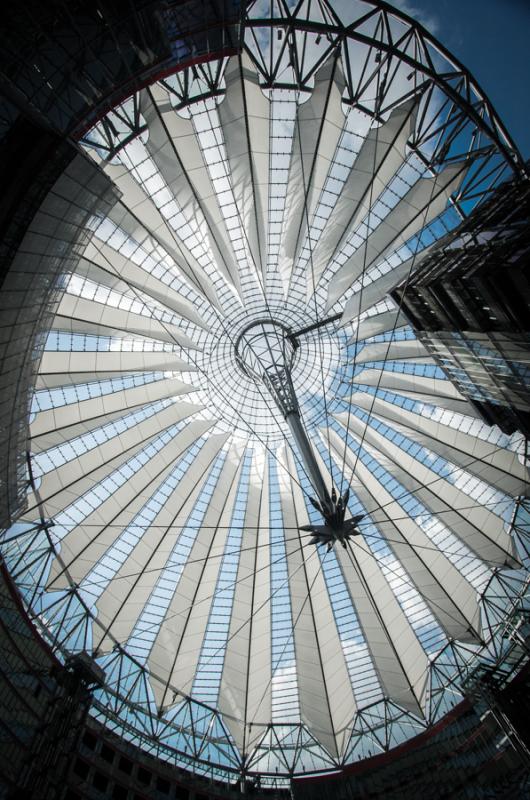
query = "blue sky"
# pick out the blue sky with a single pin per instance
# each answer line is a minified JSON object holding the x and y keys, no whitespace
{"x":492,"y":39}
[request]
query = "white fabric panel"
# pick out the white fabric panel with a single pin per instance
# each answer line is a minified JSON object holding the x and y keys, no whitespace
{"x":319,"y":655}
{"x":179,"y":254}
{"x":451,"y":598}
{"x":137,"y":213}
{"x":317,"y":131}
{"x":432,"y":391}
{"x":55,"y":380}
{"x":420,"y":205}
{"x":91,"y":538}
{"x":126,"y":321}
{"x":174,"y":148}
{"x":400,"y":660}
{"x":375,"y":291}
{"x":71,"y":325}
{"x":381,"y":155}
{"x":76,"y":366}
{"x":124,"y":599}
{"x":141,"y":207}
{"x":67,"y":483}
{"x":481,"y":530}
{"x":398,"y":656}
{"x":57,"y":425}
{"x":245,"y":692}
{"x":314,"y":698}
{"x":139,"y":203}
{"x":114,"y":270}
{"x":176,"y":651}
{"x":244,"y":115}
{"x":379,"y":323}
{"x":189,"y":180}
{"x":495,"y":465}
{"x":398,"y":350}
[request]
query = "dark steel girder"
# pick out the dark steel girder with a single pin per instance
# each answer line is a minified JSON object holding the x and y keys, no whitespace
{"x":495,"y":131}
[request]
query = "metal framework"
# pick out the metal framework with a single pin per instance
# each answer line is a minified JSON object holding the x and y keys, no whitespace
{"x":178,"y":435}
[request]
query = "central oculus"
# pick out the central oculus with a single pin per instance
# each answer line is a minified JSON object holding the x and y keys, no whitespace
{"x":264,"y":347}
{"x":265,"y":351}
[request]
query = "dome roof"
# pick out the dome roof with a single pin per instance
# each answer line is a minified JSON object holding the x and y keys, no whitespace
{"x":265,"y":206}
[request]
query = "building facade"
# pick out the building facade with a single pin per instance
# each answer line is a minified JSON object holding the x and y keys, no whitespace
{"x":469,"y":304}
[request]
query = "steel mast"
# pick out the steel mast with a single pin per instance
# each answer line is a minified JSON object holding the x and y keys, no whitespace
{"x":266,"y":352}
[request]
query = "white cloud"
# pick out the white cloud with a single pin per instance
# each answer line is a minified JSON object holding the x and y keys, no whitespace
{"x":428,"y":20}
